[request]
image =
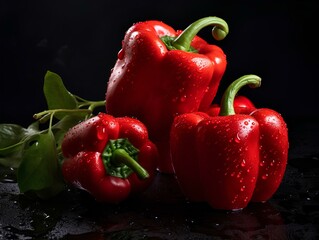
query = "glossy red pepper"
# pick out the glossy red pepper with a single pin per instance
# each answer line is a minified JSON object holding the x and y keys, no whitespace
{"x":111,"y":158}
{"x":161,"y":73}
{"x":231,"y":159}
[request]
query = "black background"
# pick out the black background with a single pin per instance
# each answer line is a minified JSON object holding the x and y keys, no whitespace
{"x":79,"y":40}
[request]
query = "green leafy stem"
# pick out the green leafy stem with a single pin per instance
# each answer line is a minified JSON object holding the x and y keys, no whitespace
{"x":35,"y":152}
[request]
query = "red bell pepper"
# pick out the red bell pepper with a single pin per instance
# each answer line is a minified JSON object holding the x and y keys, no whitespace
{"x":111,"y":158}
{"x":161,"y":73}
{"x":230,"y":159}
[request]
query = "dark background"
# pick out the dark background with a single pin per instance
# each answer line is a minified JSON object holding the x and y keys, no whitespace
{"x":79,"y":40}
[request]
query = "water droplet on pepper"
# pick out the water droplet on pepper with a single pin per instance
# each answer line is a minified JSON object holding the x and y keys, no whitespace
{"x":183,"y":98}
{"x":101,"y":132}
{"x":243,"y":163}
{"x":120,"y":54}
{"x":237,"y":139}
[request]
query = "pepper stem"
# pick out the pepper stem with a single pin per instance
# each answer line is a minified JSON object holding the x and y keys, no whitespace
{"x":120,"y":159}
{"x":121,"y":156}
{"x":227,"y":102}
{"x":219,"y":32}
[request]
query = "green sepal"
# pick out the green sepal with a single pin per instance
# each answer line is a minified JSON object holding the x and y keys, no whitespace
{"x":168,"y":41}
{"x":116,"y":168}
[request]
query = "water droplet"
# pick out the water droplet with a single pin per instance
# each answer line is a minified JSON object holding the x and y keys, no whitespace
{"x":21,"y":224}
{"x":183,"y":98}
{"x":101,"y":132}
{"x":235,"y":198}
{"x":253,"y":179}
{"x":8,"y":180}
{"x":243,"y":163}
{"x":242,"y":188}
{"x":237,"y":139}
{"x":120,"y":54}
{"x":264,"y":177}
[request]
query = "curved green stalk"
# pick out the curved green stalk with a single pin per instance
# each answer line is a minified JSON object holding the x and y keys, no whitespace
{"x":219,"y":32}
{"x":227,"y":102}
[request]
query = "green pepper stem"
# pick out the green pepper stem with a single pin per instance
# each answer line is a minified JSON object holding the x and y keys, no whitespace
{"x":45,"y":115}
{"x":121,"y":156}
{"x":219,"y":32}
{"x":227,"y":102}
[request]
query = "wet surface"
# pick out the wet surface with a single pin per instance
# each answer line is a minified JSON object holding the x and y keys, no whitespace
{"x":162,"y":213}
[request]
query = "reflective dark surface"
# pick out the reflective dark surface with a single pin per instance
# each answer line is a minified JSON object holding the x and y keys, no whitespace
{"x":162,"y":213}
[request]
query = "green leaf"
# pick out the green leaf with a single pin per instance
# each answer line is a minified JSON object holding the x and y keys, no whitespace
{"x":12,"y":139}
{"x":10,"y":134}
{"x":56,"y":95}
{"x":14,"y":160}
{"x":11,"y":144}
{"x":39,"y":170}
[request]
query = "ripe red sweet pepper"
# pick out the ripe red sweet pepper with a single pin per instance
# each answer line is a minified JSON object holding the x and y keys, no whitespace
{"x":230,"y":159}
{"x":111,"y":158}
{"x":161,"y":73}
